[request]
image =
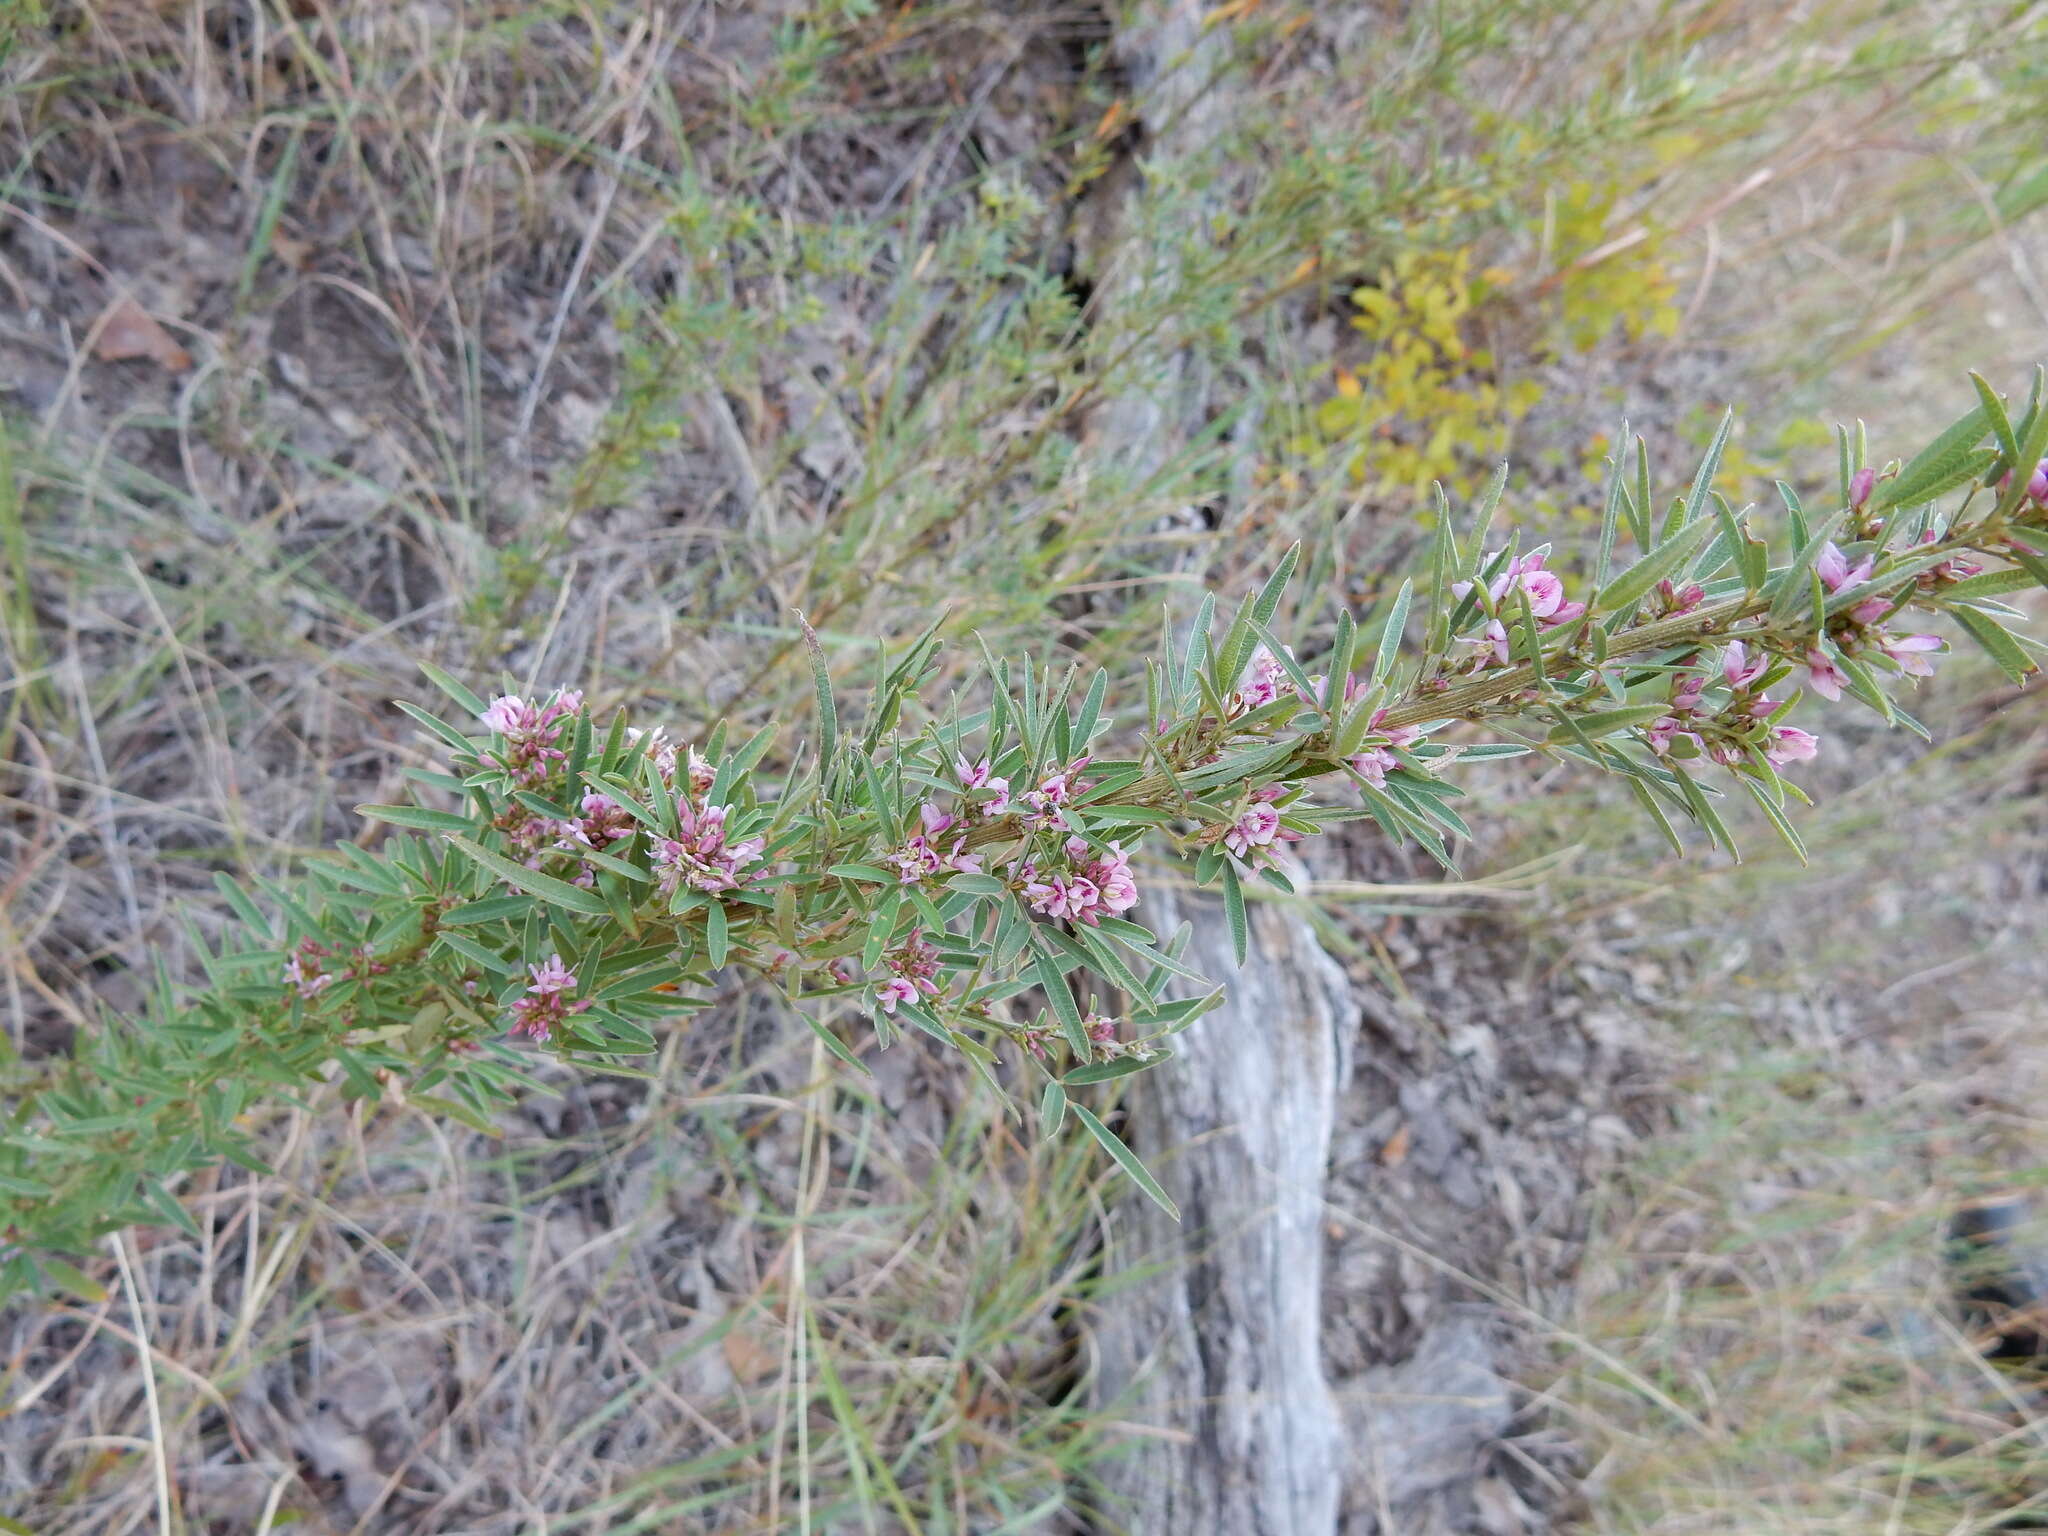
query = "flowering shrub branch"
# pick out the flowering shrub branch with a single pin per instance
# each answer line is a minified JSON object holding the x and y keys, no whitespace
{"x":971,"y":877}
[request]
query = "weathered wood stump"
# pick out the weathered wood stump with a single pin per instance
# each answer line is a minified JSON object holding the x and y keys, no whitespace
{"x":1215,"y":1341}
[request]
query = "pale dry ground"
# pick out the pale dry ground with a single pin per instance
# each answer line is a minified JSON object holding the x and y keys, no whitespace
{"x":393,"y":252}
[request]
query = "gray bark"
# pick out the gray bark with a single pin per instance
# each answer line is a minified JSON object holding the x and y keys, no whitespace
{"x":1213,"y":1341}
{"x":1218,"y":1345}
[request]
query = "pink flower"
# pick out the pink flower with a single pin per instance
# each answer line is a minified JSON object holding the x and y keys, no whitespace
{"x":1494,"y":641}
{"x":1374,"y":764}
{"x":702,"y":774}
{"x":1664,"y":731}
{"x":546,"y":1004}
{"x":1681,"y":599}
{"x":1911,"y":652}
{"x":916,"y":967}
{"x":551,"y":976}
{"x":1320,"y":693}
{"x":531,"y":731}
{"x":1098,"y":884}
{"x":506,"y":715}
{"x":1737,"y":670}
{"x":1055,"y":790}
{"x":1860,"y":486}
{"x":922,"y":857}
{"x":1823,"y":675}
{"x":979,"y":776}
{"x":1071,"y":896}
{"x":1377,"y":760}
{"x":1262,"y":687}
{"x":302,"y":972}
{"x":701,"y":858}
{"x":1107,"y":875}
{"x":1955,"y":568}
{"x":1546,"y":596}
{"x":1686,"y":689}
{"x":603,"y":822}
{"x":1789,"y":744}
{"x":1545,"y":589}
{"x":1256,"y":827}
{"x":655,"y":744}
{"x":1836,"y":572}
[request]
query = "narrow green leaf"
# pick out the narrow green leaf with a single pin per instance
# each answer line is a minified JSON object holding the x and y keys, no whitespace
{"x":1710,"y":466}
{"x":1052,"y":1109}
{"x":977,"y":885}
{"x":451,"y":686}
{"x":1776,"y":815}
{"x":1666,"y":560}
{"x":872,"y":874}
{"x":439,"y":727}
{"x":1998,"y":644}
{"x":1062,"y":999}
{"x":1233,"y":906}
{"x":1127,"y":1160}
{"x":558,"y":893}
{"x":1109,"y":1071}
{"x":246,"y":909}
{"x":2033,"y":445}
{"x":1610,"y":516}
{"x":2001,"y":424}
{"x":1390,"y":634}
{"x":66,"y":1277}
{"x":835,"y":1045}
{"x":1788,"y":589}
{"x":418,"y":817}
{"x":489,"y":910}
{"x":828,"y":713}
{"x":717,"y":933}
{"x":1605,"y":722}
{"x":1934,"y":465}
{"x":469,"y":949}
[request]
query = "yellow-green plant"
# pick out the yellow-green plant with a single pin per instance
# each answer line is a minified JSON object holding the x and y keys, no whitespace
{"x":1428,"y":402}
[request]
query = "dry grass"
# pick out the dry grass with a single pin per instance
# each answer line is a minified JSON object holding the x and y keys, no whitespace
{"x":587,"y":345}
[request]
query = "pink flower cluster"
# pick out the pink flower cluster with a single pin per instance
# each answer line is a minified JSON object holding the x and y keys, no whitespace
{"x":1911,"y":654}
{"x":303,"y":972}
{"x":1099,"y":883}
{"x":546,"y":1003}
{"x":1547,"y":602}
{"x":1722,"y":734}
{"x":1055,"y":791}
{"x":925,"y":854}
{"x":531,"y":732}
{"x":1376,"y":758}
{"x":1039,"y":1039}
{"x":701,"y":858}
{"x":916,"y":969}
{"x":603,"y":822}
{"x":699,"y":774}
